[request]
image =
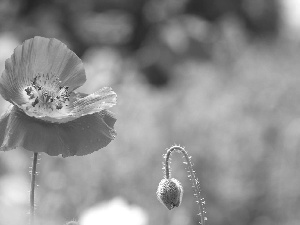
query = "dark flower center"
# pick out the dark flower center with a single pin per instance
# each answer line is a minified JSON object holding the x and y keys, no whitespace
{"x":46,"y":96}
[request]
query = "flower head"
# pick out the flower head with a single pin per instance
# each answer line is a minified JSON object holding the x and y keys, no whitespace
{"x":169,"y":192}
{"x":47,"y":115}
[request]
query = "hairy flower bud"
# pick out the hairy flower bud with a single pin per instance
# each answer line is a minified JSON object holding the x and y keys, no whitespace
{"x":169,"y":192}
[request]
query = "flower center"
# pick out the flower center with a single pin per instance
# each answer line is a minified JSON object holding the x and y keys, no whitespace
{"x":45,"y":97}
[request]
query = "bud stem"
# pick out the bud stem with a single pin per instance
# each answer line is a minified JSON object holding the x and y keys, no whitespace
{"x":32,"y":188}
{"x":195,"y":182}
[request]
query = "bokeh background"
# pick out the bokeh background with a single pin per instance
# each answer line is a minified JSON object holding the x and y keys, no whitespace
{"x":220,"y":77}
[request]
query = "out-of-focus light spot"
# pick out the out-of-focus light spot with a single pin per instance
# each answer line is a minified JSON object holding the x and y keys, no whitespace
{"x":13,"y":190}
{"x":7,"y":44}
{"x":196,"y":28}
{"x":156,"y":11}
{"x":111,"y":27}
{"x":102,"y":65}
{"x":291,"y":17}
{"x":114,"y":212}
{"x":14,"y":198}
{"x":175,"y":37}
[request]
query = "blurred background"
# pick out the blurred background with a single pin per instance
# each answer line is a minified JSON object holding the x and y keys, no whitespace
{"x":218,"y":77}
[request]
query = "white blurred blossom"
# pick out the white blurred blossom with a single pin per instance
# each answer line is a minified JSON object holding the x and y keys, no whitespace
{"x":114,"y":212}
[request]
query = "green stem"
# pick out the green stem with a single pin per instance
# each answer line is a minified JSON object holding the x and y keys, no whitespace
{"x":192,"y":175}
{"x":32,"y":187}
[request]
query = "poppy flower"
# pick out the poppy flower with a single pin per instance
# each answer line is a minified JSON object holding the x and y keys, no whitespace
{"x":46,"y":114}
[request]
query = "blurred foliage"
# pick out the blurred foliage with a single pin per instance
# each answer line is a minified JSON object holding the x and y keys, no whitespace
{"x":218,"y":77}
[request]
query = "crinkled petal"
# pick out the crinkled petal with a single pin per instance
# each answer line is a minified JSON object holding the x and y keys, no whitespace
{"x":96,"y":102}
{"x":77,"y":137}
{"x":40,"y":56}
{"x":3,"y":123}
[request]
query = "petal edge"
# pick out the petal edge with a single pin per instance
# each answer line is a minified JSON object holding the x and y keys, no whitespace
{"x":77,"y":137}
{"x":44,"y":56}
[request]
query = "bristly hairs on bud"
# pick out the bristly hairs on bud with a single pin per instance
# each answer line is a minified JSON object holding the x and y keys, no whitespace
{"x":169,"y":193}
{"x":191,"y":175}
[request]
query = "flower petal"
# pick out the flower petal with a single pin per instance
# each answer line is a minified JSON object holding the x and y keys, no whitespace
{"x":96,"y":102}
{"x":77,"y":137}
{"x":3,"y":123}
{"x":43,"y":56}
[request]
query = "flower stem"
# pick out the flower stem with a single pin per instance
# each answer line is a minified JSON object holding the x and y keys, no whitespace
{"x":32,"y":187}
{"x":192,"y":175}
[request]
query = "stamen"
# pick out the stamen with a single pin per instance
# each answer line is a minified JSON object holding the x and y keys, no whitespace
{"x":28,"y":90}
{"x":36,"y":101}
{"x":46,"y":97}
{"x":59,"y":105}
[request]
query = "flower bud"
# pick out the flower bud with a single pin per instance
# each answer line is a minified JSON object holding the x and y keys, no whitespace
{"x":169,"y":192}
